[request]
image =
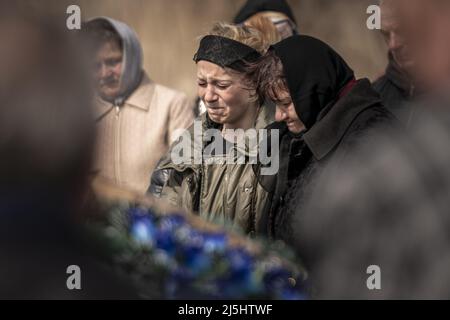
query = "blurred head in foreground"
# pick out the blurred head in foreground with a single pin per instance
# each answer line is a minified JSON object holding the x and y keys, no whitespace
{"x":46,"y":142}
{"x":386,"y":207}
{"x":45,"y":112}
{"x":427,"y":31}
{"x":393,"y":31}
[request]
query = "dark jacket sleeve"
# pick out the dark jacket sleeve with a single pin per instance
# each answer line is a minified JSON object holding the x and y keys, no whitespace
{"x":157,"y":181}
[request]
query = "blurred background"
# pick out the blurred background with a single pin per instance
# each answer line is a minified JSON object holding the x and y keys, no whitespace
{"x":169,"y":31}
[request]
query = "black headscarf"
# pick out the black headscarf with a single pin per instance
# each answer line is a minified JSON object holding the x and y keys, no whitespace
{"x":255,"y":6}
{"x":315,"y":74}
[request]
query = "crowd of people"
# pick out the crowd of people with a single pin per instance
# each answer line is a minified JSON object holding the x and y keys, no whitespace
{"x":362,"y":167}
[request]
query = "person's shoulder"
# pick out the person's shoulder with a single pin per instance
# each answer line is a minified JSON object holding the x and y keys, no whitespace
{"x":163,"y":94}
{"x":169,"y":93}
{"x":380,"y":83}
{"x":375,"y":117}
{"x":371,"y":124}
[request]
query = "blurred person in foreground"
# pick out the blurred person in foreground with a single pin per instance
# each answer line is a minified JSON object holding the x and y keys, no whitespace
{"x":46,"y":145}
{"x":389,"y":206}
{"x":396,"y":86}
{"x":136,"y":117}
{"x":386,"y":207}
{"x":429,"y":41}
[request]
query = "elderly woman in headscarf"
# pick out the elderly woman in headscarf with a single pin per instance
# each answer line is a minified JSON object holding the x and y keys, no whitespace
{"x":136,"y":117}
{"x":213,"y":187}
{"x":323,"y":113}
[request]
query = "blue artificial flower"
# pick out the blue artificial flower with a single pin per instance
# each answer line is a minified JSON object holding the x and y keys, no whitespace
{"x":142,"y":227}
{"x":238,"y":281}
{"x":192,"y":250}
{"x":138,"y":212}
{"x":165,"y":241}
{"x":205,"y":263}
{"x":280,"y":284}
{"x":292,"y":294}
{"x":180,"y":283}
{"x":276,"y":279}
{"x":166,"y":232}
{"x":169,"y":223}
{"x":240,"y":263}
{"x":215,"y":242}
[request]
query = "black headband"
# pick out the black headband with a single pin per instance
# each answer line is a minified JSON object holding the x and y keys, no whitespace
{"x":224,"y":52}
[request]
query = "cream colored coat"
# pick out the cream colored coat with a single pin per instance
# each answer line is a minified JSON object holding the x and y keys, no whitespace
{"x":132,"y":138}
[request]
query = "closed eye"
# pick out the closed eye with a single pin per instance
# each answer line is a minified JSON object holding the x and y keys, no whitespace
{"x":223,"y":85}
{"x":113,"y":62}
{"x":283,"y":103}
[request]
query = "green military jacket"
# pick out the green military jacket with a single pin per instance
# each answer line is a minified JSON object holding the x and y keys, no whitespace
{"x":228,"y":194}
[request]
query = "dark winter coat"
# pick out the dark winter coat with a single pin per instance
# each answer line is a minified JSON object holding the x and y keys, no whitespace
{"x":337,"y":112}
{"x":396,"y":91}
{"x":341,"y":127}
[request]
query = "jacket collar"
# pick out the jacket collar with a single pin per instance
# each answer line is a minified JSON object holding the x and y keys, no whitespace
{"x":398,"y":77}
{"x":336,"y":118}
{"x":266,"y":116}
{"x":265,"y":119}
{"x":142,"y":97}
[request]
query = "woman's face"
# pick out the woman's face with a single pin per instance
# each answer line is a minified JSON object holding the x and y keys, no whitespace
{"x":286,"y":112}
{"x":224,"y":94}
{"x":108,"y":70}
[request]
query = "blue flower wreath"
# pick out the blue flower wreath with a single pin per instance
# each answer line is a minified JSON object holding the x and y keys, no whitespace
{"x":205,"y":262}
